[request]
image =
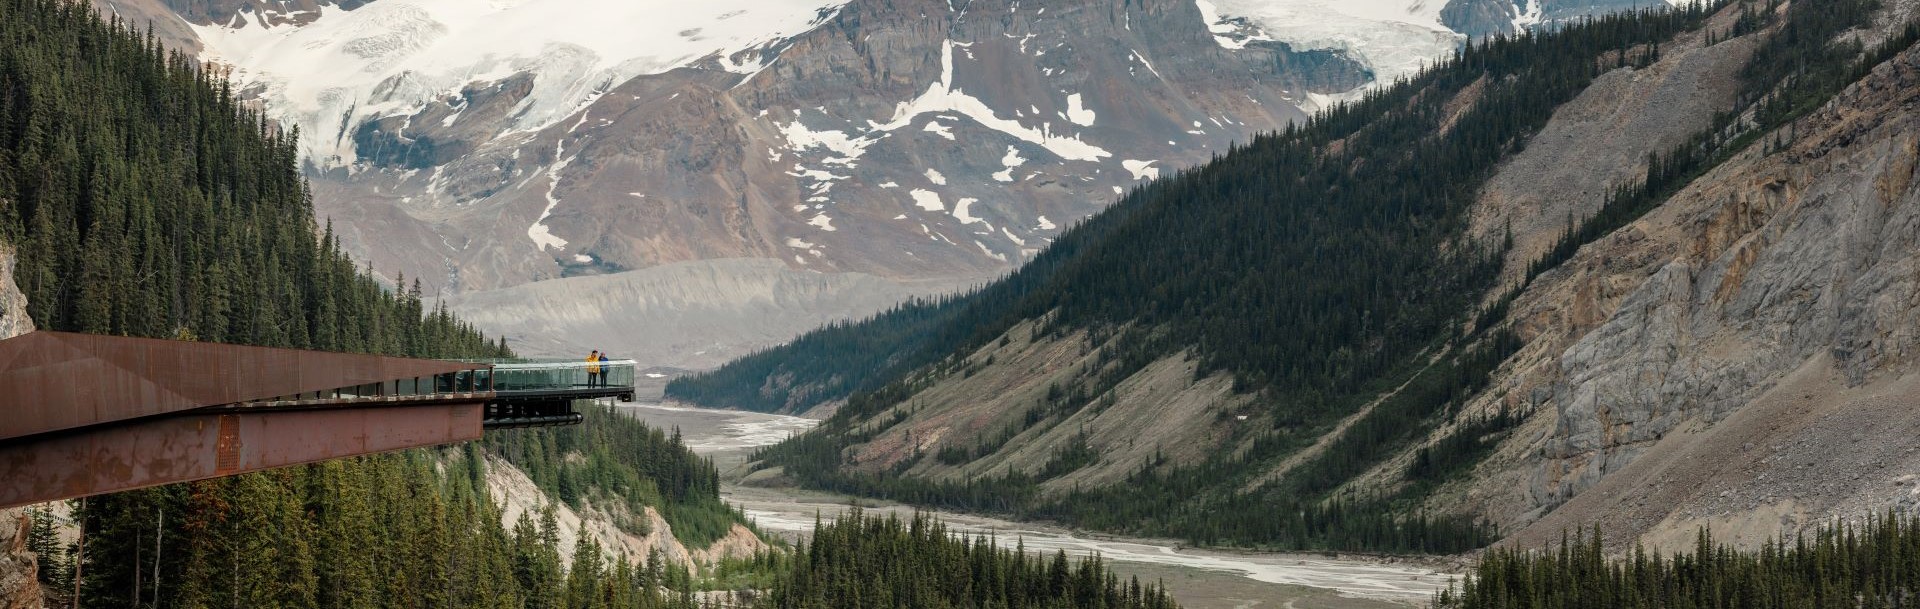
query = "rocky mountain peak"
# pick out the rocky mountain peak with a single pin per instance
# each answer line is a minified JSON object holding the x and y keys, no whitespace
{"x":489,"y":145}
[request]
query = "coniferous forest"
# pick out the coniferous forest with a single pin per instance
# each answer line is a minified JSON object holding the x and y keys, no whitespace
{"x":1321,"y":267}
{"x":1870,"y":565}
{"x":616,"y":459}
{"x":144,"y":200}
{"x":921,"y":564}
{"x":1317,"y":266}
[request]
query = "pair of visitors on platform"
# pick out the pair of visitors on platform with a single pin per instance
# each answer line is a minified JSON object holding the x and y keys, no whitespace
{"x":596,"y":377}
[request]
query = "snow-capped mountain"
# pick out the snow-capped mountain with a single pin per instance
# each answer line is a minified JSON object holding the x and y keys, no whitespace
{"x":345,"y":67}
{"x":922,"y":144}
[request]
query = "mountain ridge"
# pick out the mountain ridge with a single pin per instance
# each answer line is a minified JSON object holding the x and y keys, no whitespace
{"x":1555,"y":418}
{"x":858,"y":138}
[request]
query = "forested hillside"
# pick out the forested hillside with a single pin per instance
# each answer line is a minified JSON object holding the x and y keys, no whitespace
{"x":615,"y":459}
{"x":1317,"y":267}
{"x":1306,"y":262}
{"x":1325,"y":270}
{"x":145,"y":201}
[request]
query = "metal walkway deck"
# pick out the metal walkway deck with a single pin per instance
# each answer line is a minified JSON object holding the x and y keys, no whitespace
{"x":85,"y":414}
{"x":540,"y":393}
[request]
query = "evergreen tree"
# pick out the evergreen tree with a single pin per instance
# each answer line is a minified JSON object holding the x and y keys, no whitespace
{"x":1325,"y":268}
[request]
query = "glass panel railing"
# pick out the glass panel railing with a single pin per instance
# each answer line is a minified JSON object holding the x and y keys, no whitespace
{"x":474,"y":380}
{"x":558,"y":375}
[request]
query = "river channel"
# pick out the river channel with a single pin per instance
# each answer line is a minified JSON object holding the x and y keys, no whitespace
{"x":1199,"y":579}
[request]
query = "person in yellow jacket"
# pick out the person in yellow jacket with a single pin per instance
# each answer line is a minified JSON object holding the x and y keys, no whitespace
{"x":593,"y":368}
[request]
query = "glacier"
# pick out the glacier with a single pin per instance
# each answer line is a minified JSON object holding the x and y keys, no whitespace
{"x":393,"y":57}
{"x":1393,"y":38}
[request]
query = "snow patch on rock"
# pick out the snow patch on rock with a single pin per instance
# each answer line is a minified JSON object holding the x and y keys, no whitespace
{"x":1010,"y":161}
{"x":927,"y":200}
{"x":1077,"y":112}
{"x":936,"y":128}
{"x":799,"y":137}
{"x":1141,"y":170}
{"x":942,"y":96}
{"x":961,"y":210}
{"x":541,"y":235}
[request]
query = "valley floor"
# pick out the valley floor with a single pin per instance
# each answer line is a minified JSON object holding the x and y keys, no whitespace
{"x":1198,"y":579}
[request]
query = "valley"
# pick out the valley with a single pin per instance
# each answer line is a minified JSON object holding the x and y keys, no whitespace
{"x":1197,"y":578}
{"x":1652,"y":275}
{"x":963,"y":304}
{"x":788,"y":164}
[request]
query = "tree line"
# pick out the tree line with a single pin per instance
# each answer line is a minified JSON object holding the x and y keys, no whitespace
{"x":1321,"y":267}
{"x":1874,"y":564}
{"x":615,"y":459}
{"x":882,"y":562}
{"x":1268,"y":265}
{"x":1794,"y":71}
{"x":146,"y":201}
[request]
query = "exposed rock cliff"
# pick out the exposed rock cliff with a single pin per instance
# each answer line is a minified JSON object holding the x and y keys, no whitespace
{"x":18,"y":587}
{"x":910,"y":140}
{"x":1741,"y":358}
{"x":1482,"y":18}
{"x":900,"y":138}
{"x":517,"y":495}
{"x":904,"y":139}
{"x":1593,"y":143}
{"x":1806,"y":259}
{"x":13,"y":304}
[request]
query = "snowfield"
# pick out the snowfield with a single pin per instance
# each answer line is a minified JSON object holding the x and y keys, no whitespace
{"x":1395,"y":38}
{"x":393,"y":56}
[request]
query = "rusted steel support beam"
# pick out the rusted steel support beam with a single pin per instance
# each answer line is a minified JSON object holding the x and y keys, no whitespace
{"x":55,"y":381}
{"x":198,"y":446}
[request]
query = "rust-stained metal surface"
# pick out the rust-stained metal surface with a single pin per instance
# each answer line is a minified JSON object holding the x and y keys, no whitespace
{"x":198,"y":446}
{"x":52,"y":381}
{"x":83,"y":414}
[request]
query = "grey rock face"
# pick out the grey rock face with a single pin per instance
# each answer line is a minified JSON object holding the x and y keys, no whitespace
{"x":18,"y":587}
{"x":1812,"y":252}
{"x":1484,"y":18}
{"x":902,"y":138}
{"x":13,"y":304}
{"x":1567,"y":10}
{"x":266,"y":11}
{"x":1480,"y":18}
